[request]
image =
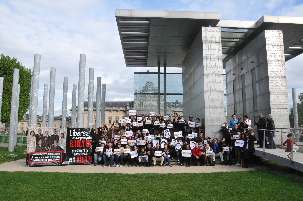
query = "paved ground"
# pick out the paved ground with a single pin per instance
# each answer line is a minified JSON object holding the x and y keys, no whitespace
{"x":279,"y":156}
{"x":19,"y":165}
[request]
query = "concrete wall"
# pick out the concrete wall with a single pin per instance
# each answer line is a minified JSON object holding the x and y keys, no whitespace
{"x":203,"y":87}
{"x":256,"y":79}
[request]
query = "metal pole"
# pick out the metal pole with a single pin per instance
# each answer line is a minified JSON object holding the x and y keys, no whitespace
{"x":164,"y":101}
{"x":159,"y":102}
{"x":264,"y":140}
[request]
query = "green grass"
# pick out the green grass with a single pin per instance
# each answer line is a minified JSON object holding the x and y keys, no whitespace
{"x":6,"y":156}
{"x":243,"y":186}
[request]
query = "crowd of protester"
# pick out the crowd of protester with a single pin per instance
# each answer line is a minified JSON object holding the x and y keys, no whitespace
{"x":153,"y":140}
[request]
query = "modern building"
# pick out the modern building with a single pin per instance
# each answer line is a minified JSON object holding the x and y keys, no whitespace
{"x":146,"y":93}
{"x":253,"y":54}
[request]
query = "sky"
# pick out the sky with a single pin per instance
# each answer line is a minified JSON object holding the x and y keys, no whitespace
{"x":60,"y":30}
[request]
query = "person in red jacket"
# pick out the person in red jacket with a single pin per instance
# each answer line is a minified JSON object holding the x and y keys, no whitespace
{"x":198,"y":155}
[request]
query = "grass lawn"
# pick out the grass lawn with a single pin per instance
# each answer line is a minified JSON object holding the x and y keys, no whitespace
{"x":243,"y":186}
{"x":6,"y":156}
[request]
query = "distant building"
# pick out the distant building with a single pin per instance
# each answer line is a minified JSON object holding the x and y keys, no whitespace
{"x":146,"y":93}
{"x":114,"y":110}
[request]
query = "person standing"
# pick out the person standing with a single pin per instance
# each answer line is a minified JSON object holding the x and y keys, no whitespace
{"x":261,"y":124}
{"x":270,"y":133}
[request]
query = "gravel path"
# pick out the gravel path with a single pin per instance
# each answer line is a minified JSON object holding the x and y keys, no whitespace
{"x":19,"y":166}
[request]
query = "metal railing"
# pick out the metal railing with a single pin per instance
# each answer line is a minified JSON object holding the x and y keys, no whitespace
{"x":269,"y":135}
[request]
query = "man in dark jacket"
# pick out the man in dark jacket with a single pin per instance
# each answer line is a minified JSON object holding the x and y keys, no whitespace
{"x":270,"y":133}
{"x":261,"y":124}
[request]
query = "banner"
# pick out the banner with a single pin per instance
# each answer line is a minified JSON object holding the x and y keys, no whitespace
{"x":46,"y":146}
{"x":45,"y":158}
{"x":79,"y":146}
{"x":186,"y":153}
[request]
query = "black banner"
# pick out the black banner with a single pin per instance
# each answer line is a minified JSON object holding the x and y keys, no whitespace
{"x":79,"y":144}
{"x":45,"y":158}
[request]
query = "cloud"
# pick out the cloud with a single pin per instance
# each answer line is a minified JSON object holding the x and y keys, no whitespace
{"x":61,"y":30}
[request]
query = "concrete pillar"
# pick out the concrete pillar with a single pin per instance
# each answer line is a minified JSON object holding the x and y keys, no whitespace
{"x":52,"y":85}
{"x":295,"y":107}
{"x":44,"y":113}
{"x":90,"y":98}
{"x":103,"y":103}
{"x":203,"y":89}
{"x":16,"y":116}
{"x":1,"y":93}
{"x":34,"y":92}
{"x":74,"y":105}
{"x":164,"y":90}
{"x":98,"y":103}
{"x":81,"y":89}
{"x":64,"y":102}
{"x":14,"y":111}
{"x":261,"y":64}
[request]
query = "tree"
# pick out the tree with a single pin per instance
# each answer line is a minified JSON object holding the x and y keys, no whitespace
{"x":300,"y":112}
{"x":7,"y":65}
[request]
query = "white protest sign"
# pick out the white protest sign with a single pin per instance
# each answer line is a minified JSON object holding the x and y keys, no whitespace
{"x":178,"y":134}
{"x":143,"y":159}
{"x":141,"y":142}
{"x":128,"y":133}
{"x":191,"y":124}
{"x":209,"y":153}
{"x":156,"y":123}
{"x":195,"y":135}
{"x":205,"y":142}
{"x":169,"y":126}
{"x":155,"y":142}
{"x":166,"y":133}
{"x":181,"y":121}
{"x":126,"y":151}
{"x":148,"y":122}
{"x":239,"y":143}
{"x":131,"y":142}
{"x":140,"y":124}
{"x":158,"y":153}
{"x":144,"y":131}
{"x":139,"y":118}
{"x":117,"y":151}
{"x":123,"y":141}
{"x":128,"y":121}
{"x":135,"y":124}
{"x":186,"y":153}
{"x":190,"y":136}
{"x":162,"y":125}
{"x":133,"y":154}
{"x":99,"y":149}
{"x":192,"y":144}
{"x":132,"y":112}
{"x":225,"y":148}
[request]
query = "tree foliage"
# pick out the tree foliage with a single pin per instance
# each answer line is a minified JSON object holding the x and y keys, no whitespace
{"x":300,"y":112}
{"x":7,"y":65}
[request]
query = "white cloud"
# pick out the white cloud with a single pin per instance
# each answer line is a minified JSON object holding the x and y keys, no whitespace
{"x":62,"y":29}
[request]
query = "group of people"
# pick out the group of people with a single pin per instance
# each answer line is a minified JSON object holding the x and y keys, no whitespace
{"x":151,"y":140}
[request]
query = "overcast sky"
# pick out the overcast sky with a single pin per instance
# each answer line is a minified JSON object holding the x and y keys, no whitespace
{"x":60,"y":30}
